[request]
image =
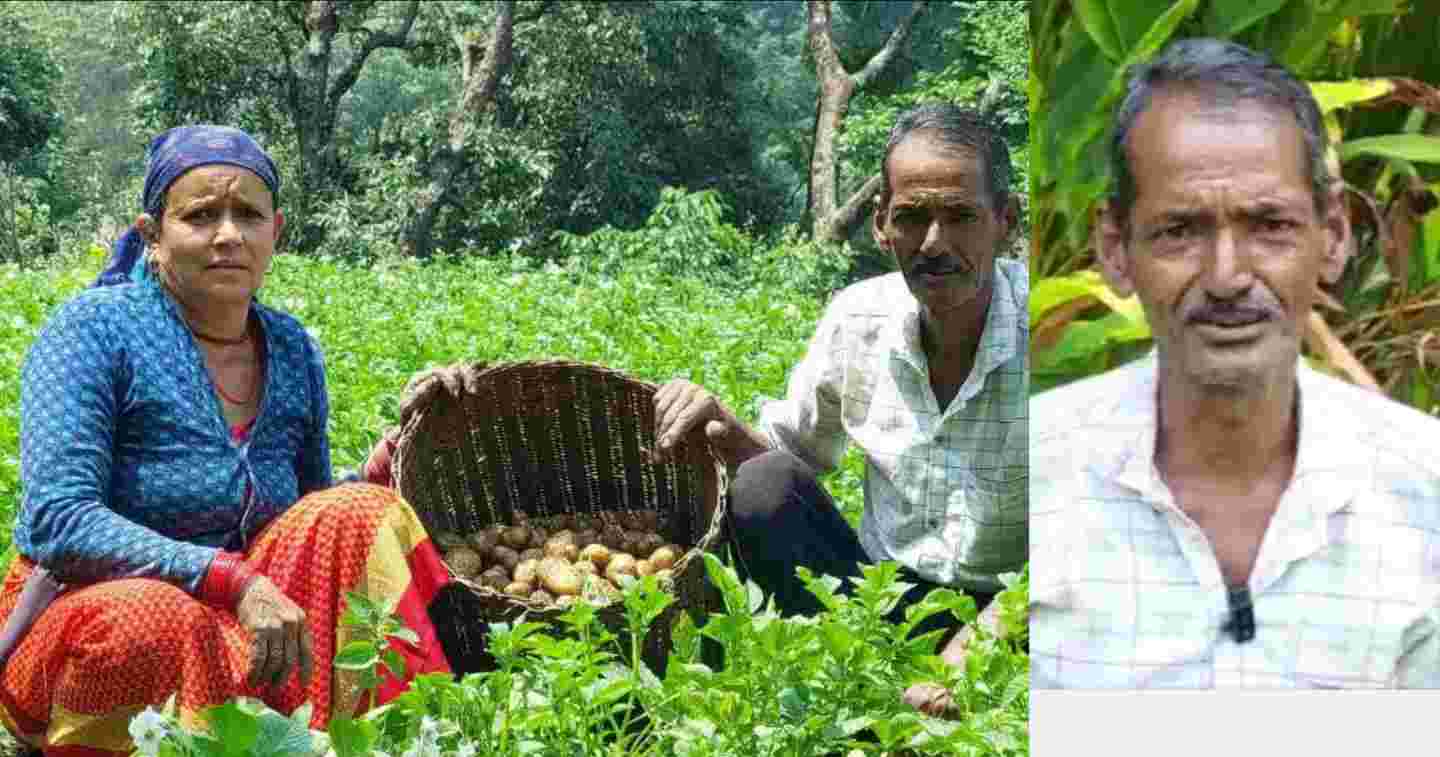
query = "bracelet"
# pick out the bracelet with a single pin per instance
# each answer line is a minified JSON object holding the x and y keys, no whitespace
{"x":227,"y":580}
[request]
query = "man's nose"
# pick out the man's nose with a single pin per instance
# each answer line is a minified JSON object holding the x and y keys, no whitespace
{"x":1228,"y":270}
{"x":931,"y":247}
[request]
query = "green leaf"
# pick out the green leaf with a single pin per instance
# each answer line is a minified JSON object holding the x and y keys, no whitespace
{"x":1094,"y":15}
{"x":357,"y":655}
{"x":353,"y":738}
{"x":1416,"y":148}
{"x":233,"y":727}
{"x":281,"y":737}
{"x":406,"y":635}
{"x":1333,"y":95}
{"x":1226,"y":18}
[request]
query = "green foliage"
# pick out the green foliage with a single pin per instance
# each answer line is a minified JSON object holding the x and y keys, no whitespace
{"x":381,"y":320}
{"x":687,"y":236}
{"x":796,"y":687}
{"x":29,"y":77}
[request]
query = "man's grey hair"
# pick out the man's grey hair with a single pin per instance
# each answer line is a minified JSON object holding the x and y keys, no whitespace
{"x":953,"y":126}
{"x":1223,"y":73}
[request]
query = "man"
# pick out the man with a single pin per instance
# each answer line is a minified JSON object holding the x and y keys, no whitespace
{"x":924,"y":369}
{"x":1219,"y":514}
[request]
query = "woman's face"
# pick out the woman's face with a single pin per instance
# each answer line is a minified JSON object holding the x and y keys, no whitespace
{"x":216,"y":236}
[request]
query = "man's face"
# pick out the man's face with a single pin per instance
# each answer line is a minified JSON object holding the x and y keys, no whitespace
{"x":1224,"y":246}
{"x":941,"y":224}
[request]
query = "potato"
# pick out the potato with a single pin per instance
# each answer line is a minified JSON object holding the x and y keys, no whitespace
{"x":563,"y":536}
{"x":527,"y":571}
{"x":663,"y":558}
{"x":540,"y":595}
{"x":516,"y":537}
{"x":538,"y":536}
{"x":631,"y":542}
{"x":649,"y":520}
{"x":532,"y":553}
{"x":597,"y":554}
{"x":484,"y":541}
{"x":559,"y":577}
{"x":565,"y":600}
{"x":519,"y":588}
{"x":563,"y":522}
{"x":665,"y":575}
{"x":495,"y":578}
{"x":586,"y":537}
{"x":465,"y":561}
{"x":586,"y":568}
{"x":646,"y":543}
{"x":562,"y":550}
{"x":613,"y":537}
{"x":620,"y":565}
{"x":584,"y":522}
{"x":506,"y":557}
{"x":644,"y":568}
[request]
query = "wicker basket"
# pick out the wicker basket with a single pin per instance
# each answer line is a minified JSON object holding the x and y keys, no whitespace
{"x":546,"y":439}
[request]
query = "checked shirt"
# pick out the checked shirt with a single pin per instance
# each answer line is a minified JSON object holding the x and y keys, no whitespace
{"x":1126,"y":591}
{"x":945,"y":489}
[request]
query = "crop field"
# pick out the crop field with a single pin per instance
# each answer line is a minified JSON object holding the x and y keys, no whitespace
{"x":825,"y":685}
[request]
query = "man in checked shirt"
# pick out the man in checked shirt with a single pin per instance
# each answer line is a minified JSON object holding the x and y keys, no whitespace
{"x":1219,"y":514}
{"x":925,"y":370}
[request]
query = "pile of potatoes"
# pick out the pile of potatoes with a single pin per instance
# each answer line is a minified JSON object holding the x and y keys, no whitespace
{"x":581,"y":556}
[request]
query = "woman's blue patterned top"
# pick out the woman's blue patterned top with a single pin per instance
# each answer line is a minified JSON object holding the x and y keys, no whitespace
{"x":126,"y":461}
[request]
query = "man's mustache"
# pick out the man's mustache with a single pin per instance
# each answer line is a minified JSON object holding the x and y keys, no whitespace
{"x":1233,"y":313}
{"x":940,"y":267}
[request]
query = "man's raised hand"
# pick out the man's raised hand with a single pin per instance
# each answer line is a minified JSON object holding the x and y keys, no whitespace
{"x":681,"y":406}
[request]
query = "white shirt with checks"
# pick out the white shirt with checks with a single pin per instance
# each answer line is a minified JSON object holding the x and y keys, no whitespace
{"x":945,"y":491}
{"x":1126,"y":591}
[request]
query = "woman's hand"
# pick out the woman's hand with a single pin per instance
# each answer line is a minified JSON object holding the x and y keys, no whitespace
{"x":280,"y":640}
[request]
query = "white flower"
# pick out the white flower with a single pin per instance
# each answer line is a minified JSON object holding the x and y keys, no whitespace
{"x":148,"y":729}
{"x":429,"y":730}
{"x":467,"y":749}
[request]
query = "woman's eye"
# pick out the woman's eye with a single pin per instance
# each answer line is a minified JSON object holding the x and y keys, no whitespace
{"x":1174,"y":232}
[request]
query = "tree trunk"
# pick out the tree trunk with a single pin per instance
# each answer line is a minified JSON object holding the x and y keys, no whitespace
{"x":831,"y":221}
{"x":315,"y":94}
{"x":484,"y":63}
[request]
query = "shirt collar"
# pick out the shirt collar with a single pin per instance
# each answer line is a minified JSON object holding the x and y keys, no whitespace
{"x":1328,"y":470}
{"x":998,"y":340}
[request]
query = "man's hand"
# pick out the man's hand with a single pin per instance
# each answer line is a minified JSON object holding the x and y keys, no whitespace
{"x":681,"y":406}
{"x":935,"y":700}
{"x":931,"y":699}
{"x":280,"y":640}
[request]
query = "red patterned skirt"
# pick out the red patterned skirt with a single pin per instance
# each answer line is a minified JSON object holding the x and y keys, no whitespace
{"x":100,"y":654}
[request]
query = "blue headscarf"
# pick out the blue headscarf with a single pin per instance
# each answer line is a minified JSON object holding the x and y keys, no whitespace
{"x":168,"y":157}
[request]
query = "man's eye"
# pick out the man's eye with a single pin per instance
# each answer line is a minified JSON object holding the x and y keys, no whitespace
{"x":1175,"y":231}
{"x":201,"y":215}
{"x":1276,"y":225}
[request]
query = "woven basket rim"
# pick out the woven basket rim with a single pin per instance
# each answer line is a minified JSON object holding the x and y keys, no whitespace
{"x":479,"y":370}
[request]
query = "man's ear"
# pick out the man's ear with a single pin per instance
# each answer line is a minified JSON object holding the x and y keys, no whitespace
{"x":148,"y":227}
{"x":877,"y":223}
{"x":279,"y":224}
{"x":1111,"y":244}
{"x":1337,"y":235}
{"x":1010,"y":217}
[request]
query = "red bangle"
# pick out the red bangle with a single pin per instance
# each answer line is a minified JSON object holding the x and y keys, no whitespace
{"x":226,"y":580}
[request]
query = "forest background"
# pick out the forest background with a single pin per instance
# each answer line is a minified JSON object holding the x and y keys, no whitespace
{"x":665,"y":188}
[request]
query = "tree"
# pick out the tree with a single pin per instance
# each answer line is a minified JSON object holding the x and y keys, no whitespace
{"x":830,"y":220}
{"x":280,"y":66}
{"x":28,"y":117}
{"x":484,"y":61}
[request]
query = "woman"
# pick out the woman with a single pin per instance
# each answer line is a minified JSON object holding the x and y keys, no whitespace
{"x":177,"y":480}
